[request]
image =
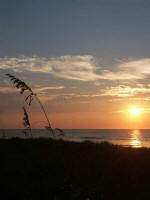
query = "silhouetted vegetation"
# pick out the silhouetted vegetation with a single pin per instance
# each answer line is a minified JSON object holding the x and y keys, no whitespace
{"x":58,"y":170}
{"x":26,"y":122}
{"x":29,"y":97}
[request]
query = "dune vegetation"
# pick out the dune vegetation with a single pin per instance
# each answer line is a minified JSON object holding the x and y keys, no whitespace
{"x":29,"y":97}
{"x":59,"y":170}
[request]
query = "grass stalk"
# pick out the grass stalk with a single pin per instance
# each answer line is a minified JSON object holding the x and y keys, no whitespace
{"x":19,"y":84}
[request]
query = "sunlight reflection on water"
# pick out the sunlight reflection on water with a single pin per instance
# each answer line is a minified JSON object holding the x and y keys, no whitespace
{"x":126,"y":137}
{"x":135,"y":140}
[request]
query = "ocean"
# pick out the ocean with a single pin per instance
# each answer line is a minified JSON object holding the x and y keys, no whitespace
{"x":133,"y":138}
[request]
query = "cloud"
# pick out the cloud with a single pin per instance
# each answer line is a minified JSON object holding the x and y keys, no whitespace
{"x":128,"y":70}
{"x":41,"y":89}
{"x":83,"y":68}
{"x":67,"y":96}
{"x":5,"y":90}
{"x":139,"y":68}
{"x":125,"y":91}
{"x":67,"y":67}
{"x":142,"y":110}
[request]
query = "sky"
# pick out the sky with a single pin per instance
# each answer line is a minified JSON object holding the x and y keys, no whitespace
{"x":88,"y":61}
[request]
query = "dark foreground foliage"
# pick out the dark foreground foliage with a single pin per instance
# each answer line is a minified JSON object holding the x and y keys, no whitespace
{"x":57,"y":170}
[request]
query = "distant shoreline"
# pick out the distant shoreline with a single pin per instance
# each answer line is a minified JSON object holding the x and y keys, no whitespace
{"x":124,"y":137}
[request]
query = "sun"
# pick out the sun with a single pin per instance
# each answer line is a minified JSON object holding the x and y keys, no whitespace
{"x":135,"y":111}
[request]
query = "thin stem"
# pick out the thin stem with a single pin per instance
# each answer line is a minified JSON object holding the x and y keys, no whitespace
{"x":43,"y":109}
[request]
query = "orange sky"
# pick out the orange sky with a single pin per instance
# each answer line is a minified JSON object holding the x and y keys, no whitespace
{"x":80,"y":120}
{"x":88,"y":61}
{"x":74,"y":110}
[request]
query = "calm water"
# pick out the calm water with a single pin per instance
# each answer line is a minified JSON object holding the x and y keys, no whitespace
{"x":134,"y":138}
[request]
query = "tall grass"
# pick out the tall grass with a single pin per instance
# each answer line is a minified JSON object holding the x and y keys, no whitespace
{"x":23,"y":87}
{"x":26,"y":121}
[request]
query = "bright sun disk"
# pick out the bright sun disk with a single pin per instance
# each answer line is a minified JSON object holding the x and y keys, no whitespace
{"x":135,"y":111}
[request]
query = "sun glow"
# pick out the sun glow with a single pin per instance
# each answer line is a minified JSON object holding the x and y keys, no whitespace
{"x":135,"y":111}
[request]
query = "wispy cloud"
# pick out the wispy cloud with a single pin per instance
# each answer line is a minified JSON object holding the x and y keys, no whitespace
{"x":67,"y":67}
{"x":42,"y":89}
{"x":83,"y":68}
{"x":142,"y":110}
{"x":67,"y":96}
{"x":128,"y":70}
{"x":125,"y":91}
{"x":5,"y":90}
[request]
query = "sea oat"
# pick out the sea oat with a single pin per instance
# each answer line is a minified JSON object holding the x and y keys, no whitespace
{"x":19,"y":84}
